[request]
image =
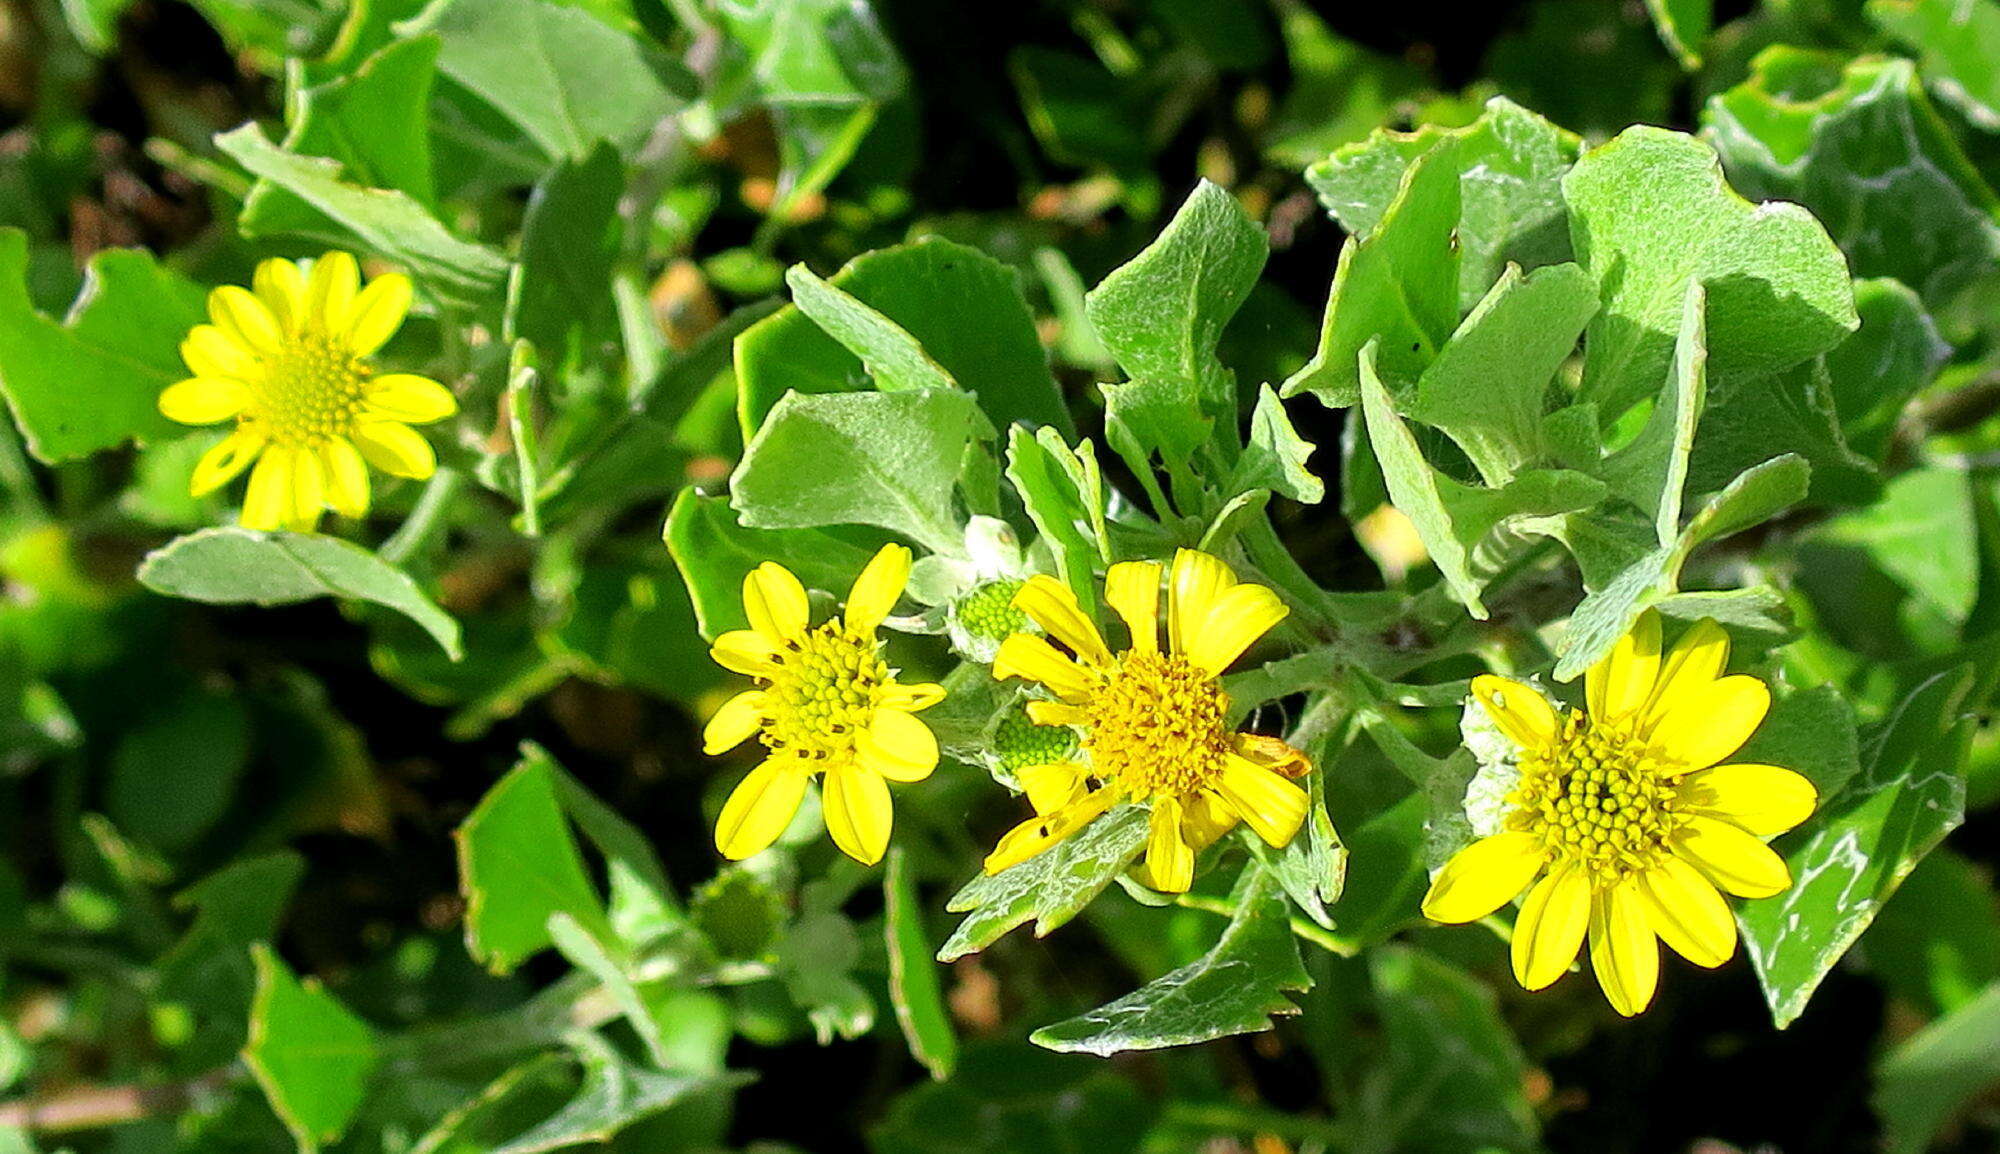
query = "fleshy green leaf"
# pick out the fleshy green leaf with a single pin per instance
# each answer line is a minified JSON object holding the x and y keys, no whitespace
{"x":311,"y":1054}
{"x":1063,"y":493}
{"x":519,"y":866}
{"x":891,"y":356}
{"x":1648,"y":211}
{"x":93,"y":380}
{"x":1453,"y":1071}
{"x":569,"y":240}
{"x":1652,"y":471}
{"x":1235,"y":988}
{"x":1923,"y":533}
{"x":913,"y":978}
{"x":231,"y":566}
{"x":885,"y":459}
{"x":1863,"y":841}
{"x":1922,"y":1083}
{"x":1684,"y":26}
{"x":1876,"y":371}
{"x":714,"y":552}
{"x":1050,"y":888}
{"x":1958,"y":45}
{"x":1276,"y":456}
{"x":616,"y":1094}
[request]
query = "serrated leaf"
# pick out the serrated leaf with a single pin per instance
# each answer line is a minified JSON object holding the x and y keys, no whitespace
{"x":1875,"y":372}
{"x":1235,"y":988}
{"x":570,"y":238}
{"x":884,"y":459}
{"x":1050,"y":888}
{"x":1959,"y":46}
{"x":714,"y":551}
{"x":519,"y":867}
{"x":1067,"y":514}
{"x":1652,"y":471}
{"x":891,"y":356}
{"x":1862,"y":148}
{"x":311,"y":1055}
{"x":1650,"y":210}
{"x":386,"y":223}
{"x":231,"y":566}
{"x":1751,"y":420}
{"x":616,"y":1094}
{"x":1275,"y":457}
{"x":914,"y":988}
{"x":1853,"y":853}
{"x":93,"y":380}
{"x":1397,"y":285}
{"x":1453,"y":1073}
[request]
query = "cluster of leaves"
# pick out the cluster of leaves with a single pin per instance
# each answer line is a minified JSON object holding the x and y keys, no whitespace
{"x":1568,"y":370}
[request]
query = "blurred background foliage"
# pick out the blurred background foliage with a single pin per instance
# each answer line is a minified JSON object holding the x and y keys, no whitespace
{"x":200,"y":804}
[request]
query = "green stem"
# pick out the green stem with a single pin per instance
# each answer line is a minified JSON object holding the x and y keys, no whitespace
{"x":1212,"y":1118}
{"x":427,"y":519}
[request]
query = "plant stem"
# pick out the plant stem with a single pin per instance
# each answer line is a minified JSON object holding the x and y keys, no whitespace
{"x":426,"y":519}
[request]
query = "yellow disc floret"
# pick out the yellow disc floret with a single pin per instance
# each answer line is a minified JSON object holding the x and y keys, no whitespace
{"x":315,"y":390}
{"x":1157,"y":726}
{"x":824,"y":693}
{"x":1597,"y":797}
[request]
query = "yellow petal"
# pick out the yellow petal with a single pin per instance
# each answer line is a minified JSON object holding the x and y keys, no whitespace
{"x":897,"y":746}
{"x":1052,"y":606}
{"x":1039,"y":833}
{"x":346,"y":477}
{"x":1712,"y":722}
{"x":1236,"y":619}
{"x":269,"y":498}
{"x":1687,"y":913}
{"x":1484,"y":876}
{"x":1698,"y":658}
{"x":1763,"y":799}
{"x":245,"y":320}
{"x":1550,"y":929}
{"x":220,"y":465}
{"x":409,"y":398}
{"x":1204,"y":819}
{"x":1525,"y":716}
{"x":1051,"y":787}
{"x":859,"y":814}
{"x":378,"y":312}
{"x":1623,"y":951}
{"x":876,"y":590}
{"x":914,"y":698}
{"x":308,"y":491}
{"x":1132,"y":589}
{"x":203,"y":400}
{"x":745,"y":651}
{"x":395,"y":448}
{"x":1732,"y":859}
{"x":281,"y":286}
{"x":734,"y":723}
{"x":1193,"y":584}
{"x":1169,"y":861}
{"x":1272,"y":807}
{"x":330,"y":292}
{"x":1032,"y":657}
{"x":1621,"y":681}
{"x":760,"y":807}
{"x":210,"y":352}
{"x":776,"y":603}
{"x":1057,"y":713}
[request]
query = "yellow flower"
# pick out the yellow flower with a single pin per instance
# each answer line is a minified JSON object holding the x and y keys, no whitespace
{"x":1153,"y":723}
{"x":1624,"y":812}
{"x":825,"y":703}
{"x":289,"y":362}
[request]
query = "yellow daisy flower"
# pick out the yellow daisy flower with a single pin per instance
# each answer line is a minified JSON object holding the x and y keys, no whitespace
{"x":825,"y":703}
{"x":1625,"y":812}
{"x":288,"y":361}
{"x":1153,"y":722}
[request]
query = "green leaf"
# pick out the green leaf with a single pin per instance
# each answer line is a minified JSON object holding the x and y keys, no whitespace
{"x":616,"y":1094}
{"x":1397,"y":285}
{"x":93,"y":380}
{"x":1684,"y":26}
{"x":1312,"y":867}
{"x":1648,"y":211}
{"x":374,"y":120}
{"x":565,"y":78}
{"x":1007,"y":1098}
{"x":1050,"y":888}
{"x":519,"y":866}
{"x":174,"y":773}
{"x":1276,"y":456}
{"x":210,"y":971}
{"x":1922,"y":1083}
{"x":884,"y":459}
{"x":569,"y":241}
{"x":1607,"y":612}
{"x":1386,"y":873}
{"x":231,"y":566}
{"x":311,"y":1054}
{"x":816,"y":961}
{"x":1162,"y":314}
{"x":1958,"y":45}
{"x":1754,"y":497}
{"x":714,"y":552}
{"x":890,"y":355}
{"x":1875,"y":372}
{"x":1511,"y":211}
{"x":1751,"y":420}
{"x":1810,"y":731}
{"x":1453,"y":1074}
{"x":1339,"y":90}
{"x":601,"y":958}
{"x":914,"y":988}
{"x":1864,"y":150}
{"x":386,"y":223}
{"x":1063,"y":493}
{"x":1235,"y":988}
{"x":1652,"y":471}
{"x":1853,"y":853}
{"x":963,"y":307}
{"x":1936,"y":943}
{"x":1923,"y":533}
{"x":1489,"y":386}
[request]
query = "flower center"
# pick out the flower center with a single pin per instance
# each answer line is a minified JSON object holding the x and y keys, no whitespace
{"x":824,"y":694}
{"x":1156,"y":726}
{"x":1599,"y":798}
{"x":988,"y":611}
{"x":312,"y":390}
